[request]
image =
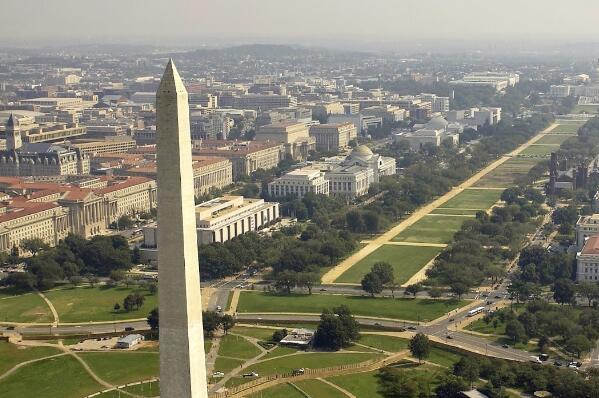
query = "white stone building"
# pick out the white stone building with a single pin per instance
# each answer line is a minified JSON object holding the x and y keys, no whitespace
{"x":586,"y":226}
{"x":298,"y":183}
{"x":587,"y":261}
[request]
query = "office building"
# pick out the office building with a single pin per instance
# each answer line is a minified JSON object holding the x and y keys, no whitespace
{"x":294,"y":137}
{"x":245,"y":156}
{"x":264,"y":101}
{"x":298,"y":183}
{"x":333,"y":136}
{"x":587,"y":261}
{"x":222,"y":219}
{"x":586,"y":226}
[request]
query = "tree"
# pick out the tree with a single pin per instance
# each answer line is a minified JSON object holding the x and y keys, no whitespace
{"x":117,"y":307}
{"x":515,"y":331}
{"x":564,"y":291}
{"x":153,"y":320}
{"x":435,"y":292}
{"x":589,"y":290}
{"x":420,"y":346}
{"x":467,"y":368}
{"x":371,"y":284}
{"x":544,"y":343}
{"x":279,"y":335}
{"x":329,"y":333}
{"x":153,"y":288}
{"x":308,"y":280}
{"x":92,"y":279}
{"x":384,"y":271}
{"x":450,"y":387}
{"x":117,"y":275}
{"x":285,"y":281}
{"x":578,"y":345}
{"x":397,"y":383}
{"x":34,"y":245}
{"x":125,"y":222}
{"x":336,"y":329}
{"x":227,"y":322}
{"x":211,"y":320}
{"x":459,"y":289}
{"x":413,"y":289}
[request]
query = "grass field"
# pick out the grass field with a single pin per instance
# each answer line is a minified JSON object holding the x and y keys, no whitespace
{"x":61,"y":377}
{"x":225,"y":365}
{"x":279,"y":351}
{"x":280,"y":391}
{"x":123,"y":367}
{"x":317,"y":388}
{"x":455,"y":212}
{"x":431,"y":229}
{"x":13,"y":355}
{"x":19,"y":306}
{"x":386,"y":343}
{"x":505,"y":175}
{"x":406,"y":261}
{"x":539,"y":150}
{"x":309,"y":360}
{"x":585,"y":109}
{"x":258,"y":333}
{"x":442,"y":357}
{"x":566,"y":128}
{"x":237,"y":347}
{"x":480,"y":199}
{"x":362,"y":385}
{"x":555,"y":139}
{"x":86,"y":304}
{"x":399,"y":308}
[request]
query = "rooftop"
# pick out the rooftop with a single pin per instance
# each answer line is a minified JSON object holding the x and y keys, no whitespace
{"x":591,"y":246}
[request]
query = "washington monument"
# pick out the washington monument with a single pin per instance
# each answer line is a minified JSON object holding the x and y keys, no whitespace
{"x":182,"y":362}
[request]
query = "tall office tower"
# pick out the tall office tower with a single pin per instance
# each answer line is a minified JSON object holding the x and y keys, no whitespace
{"x":182,"y":362}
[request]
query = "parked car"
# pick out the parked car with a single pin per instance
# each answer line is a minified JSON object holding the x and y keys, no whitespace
{"x":297,"y":372}
{"x":129,"y":329}
{"x":218,"y":374}
{"x":251,"y":374}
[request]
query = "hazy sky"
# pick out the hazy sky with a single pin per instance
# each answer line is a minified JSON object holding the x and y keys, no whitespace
{"x":312,"y":21}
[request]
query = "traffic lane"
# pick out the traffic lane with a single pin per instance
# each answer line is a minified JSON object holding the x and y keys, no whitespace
{"x":81,"y":329}
{"x":489,"y":348}
{"x":387,"y":324}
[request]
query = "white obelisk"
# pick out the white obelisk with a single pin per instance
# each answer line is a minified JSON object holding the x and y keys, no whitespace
{"x":182,"y":361}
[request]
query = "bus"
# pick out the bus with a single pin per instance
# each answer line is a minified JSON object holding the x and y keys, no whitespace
{"x":475,"y":311}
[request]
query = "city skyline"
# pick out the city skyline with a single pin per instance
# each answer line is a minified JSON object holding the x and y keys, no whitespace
{"x":426,"y":24}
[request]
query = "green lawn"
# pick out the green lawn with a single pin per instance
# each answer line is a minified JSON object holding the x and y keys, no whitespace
{"x":61,"y":377}
{"x":539,"y":150}
{"x":19,"y":306}
{"x":13,"y":355}
{"x":84,"y":304}
{"x":310,"y":360}
{"x":474,"y":199}
{"x":456,"y":212}
{"x":585,"y":109}
{"x":225,"y":365}
{"x":505,"y":175}
{"x":443,"y":357}
{"x":144,"y":390}
{"x":562,"y":128}
{"x":237,"y":347}
{"x":258,"y":333}
{"x":432,"y":229}
{"x":362,"y":385}
{"x":406,"y":261}
{"x":399,"y":308}
{"x":280,"y":391}
{"x":279,"y":351}
{"x":123,"y":367}
{"x":386,"y":343}
{"x":317,"y":388}
{"x":556,"y":139}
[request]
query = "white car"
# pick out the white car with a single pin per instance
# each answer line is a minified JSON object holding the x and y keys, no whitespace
{"x":219,"y":308}
{"x":218,"y":374}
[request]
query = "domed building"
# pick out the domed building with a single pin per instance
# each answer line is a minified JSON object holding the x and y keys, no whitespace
{"x":435,"y":131}
{"x":363,"y":156}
